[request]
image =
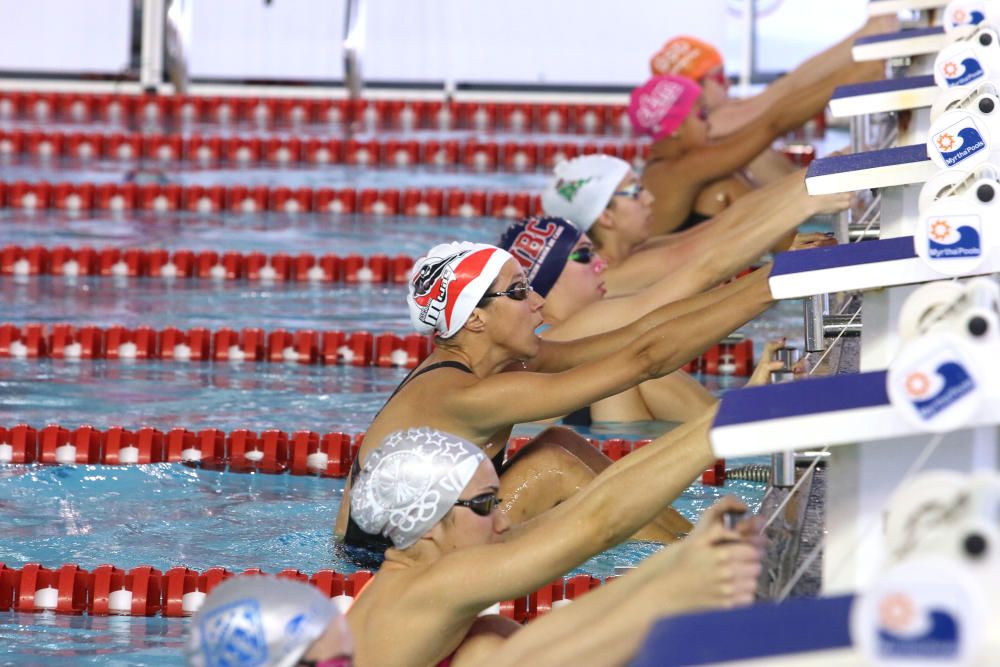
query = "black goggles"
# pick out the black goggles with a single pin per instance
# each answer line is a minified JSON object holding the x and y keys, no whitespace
{"x":482,"y":504}
{"x":517,"y":291}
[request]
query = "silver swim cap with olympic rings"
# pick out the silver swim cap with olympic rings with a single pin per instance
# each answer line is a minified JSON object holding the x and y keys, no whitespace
{"x":411,"y":482}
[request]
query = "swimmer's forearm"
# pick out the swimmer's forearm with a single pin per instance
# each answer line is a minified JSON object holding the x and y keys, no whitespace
{"x":604,"y":627}
{"x":748,"y":229}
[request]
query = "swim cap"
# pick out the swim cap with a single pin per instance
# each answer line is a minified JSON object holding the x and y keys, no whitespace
{"x":259,"y":621}
{"x":542,"y":246}
{"x":686,"y":56}
{"x":583,"y":187}
{"x":447,"y":284}
{"x":410,"y":482}
{"x":659,"y":106}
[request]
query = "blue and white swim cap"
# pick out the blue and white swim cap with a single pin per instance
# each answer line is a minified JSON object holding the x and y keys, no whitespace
{"x":258,"y":621}
{"x":542,"y":246}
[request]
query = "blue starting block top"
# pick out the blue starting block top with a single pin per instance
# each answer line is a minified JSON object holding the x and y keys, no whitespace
{"x":874,"y":169}
{"x":815,"y":412}
{"x":912,"y":92}
{"x":912,"y":33}
{"x":807,"y":397}
{"x":901,"y":44}
{"x":882,"y":7}
{"x":765,"y":630}
{"x":858,"y":266}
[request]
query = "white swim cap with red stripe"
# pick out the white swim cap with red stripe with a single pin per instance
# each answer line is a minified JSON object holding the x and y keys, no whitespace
{"x":447,"y":284}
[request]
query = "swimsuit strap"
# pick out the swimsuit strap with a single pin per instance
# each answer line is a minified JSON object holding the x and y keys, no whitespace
{"x":412,"y":375}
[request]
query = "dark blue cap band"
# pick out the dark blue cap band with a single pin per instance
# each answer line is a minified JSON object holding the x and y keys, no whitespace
{"x":542,"y":246}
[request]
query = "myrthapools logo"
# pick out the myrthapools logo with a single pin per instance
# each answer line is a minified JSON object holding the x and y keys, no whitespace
{"x":907,"y":629}
{"x":962,"y":70}
{"x":954,"y":237}
{"x":959,"y":142}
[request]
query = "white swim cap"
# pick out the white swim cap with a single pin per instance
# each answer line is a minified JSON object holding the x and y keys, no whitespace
{"x":582,"y":188}
{"x":411,"y":482}
{"x":447,"y":284}
{"x":258,"y":621}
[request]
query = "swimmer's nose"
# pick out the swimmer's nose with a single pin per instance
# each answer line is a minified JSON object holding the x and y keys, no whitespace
{"x":536,"y":300}
{"x":647,"y":197}
{"x":501,"y":522}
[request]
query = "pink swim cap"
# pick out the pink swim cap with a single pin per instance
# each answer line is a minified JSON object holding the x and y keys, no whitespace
{"x":659,"y":106}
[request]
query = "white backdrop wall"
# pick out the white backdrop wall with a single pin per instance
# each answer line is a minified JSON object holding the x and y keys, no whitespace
{"x":576,"y":42}
{"x":65,"y":35}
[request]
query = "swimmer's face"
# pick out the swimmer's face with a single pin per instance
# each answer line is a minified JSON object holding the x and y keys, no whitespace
{"x":580,"y":283}
{"x":632,"y":215}
{"x":714,"y":88}
{"x":464,"y":528}
{"x":694,"y":130}
{"x":512,"y":323}
{"x":335,"y":642}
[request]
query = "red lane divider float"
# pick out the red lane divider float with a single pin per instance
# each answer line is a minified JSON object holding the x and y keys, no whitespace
{"x":359,"y":348}
{"x":241,"y":450}
{"x":206,"y":264}
{"x":210,"y":151}
{"x":121,"y":198}
{"x":159,"y":110}
{"x":180,"y":591}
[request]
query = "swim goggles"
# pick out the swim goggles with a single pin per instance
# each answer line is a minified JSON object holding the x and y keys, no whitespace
{"x":336,"y":661}
{"x":583,"y":254}
{"x":482,"y":504}
{"x":632,"y":191}
{"x":717,"y":75}
{"x":517,"y":291}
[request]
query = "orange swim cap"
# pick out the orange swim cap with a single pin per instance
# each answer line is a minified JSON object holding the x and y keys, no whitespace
{"x":687,"y":57}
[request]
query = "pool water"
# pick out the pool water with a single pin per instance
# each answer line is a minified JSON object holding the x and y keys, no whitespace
{"x":165,"y":515}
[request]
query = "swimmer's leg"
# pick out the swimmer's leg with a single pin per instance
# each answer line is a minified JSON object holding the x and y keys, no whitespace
{"x":554,"y":466}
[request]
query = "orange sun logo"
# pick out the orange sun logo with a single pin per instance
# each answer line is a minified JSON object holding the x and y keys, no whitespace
{"x":950,"y":70}
{"x":897,"y":612}
{"x":940,"y":229}
{"x":946,"y":142}
{"x":917,"y":384}
{"x":960,"y":16}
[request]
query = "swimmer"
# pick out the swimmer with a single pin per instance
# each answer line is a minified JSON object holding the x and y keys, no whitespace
{"x":268,"y":622}
{"x":477,"y":302}
{"x":693,"y":177}
{"x":702,"y":63}
{"x":453,"y":554}
{"x":602,"y":196}
{"x":570,"y":276}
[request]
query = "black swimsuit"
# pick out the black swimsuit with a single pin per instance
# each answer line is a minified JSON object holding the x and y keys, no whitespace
{"x":354,"y":536}
{"x":693,"y":220}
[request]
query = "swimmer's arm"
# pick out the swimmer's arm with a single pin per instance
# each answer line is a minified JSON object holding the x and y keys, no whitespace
{"x":665,"y":301}
{"x":718,"y":248}
{"x":724,"y":156}
{"x":604,"y":627}
{"x":714,"y":567}
{"x":590,"y":522}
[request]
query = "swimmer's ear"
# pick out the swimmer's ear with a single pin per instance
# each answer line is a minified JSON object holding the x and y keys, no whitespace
{"x":606,"y":220}
{"x":477,"y":320}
